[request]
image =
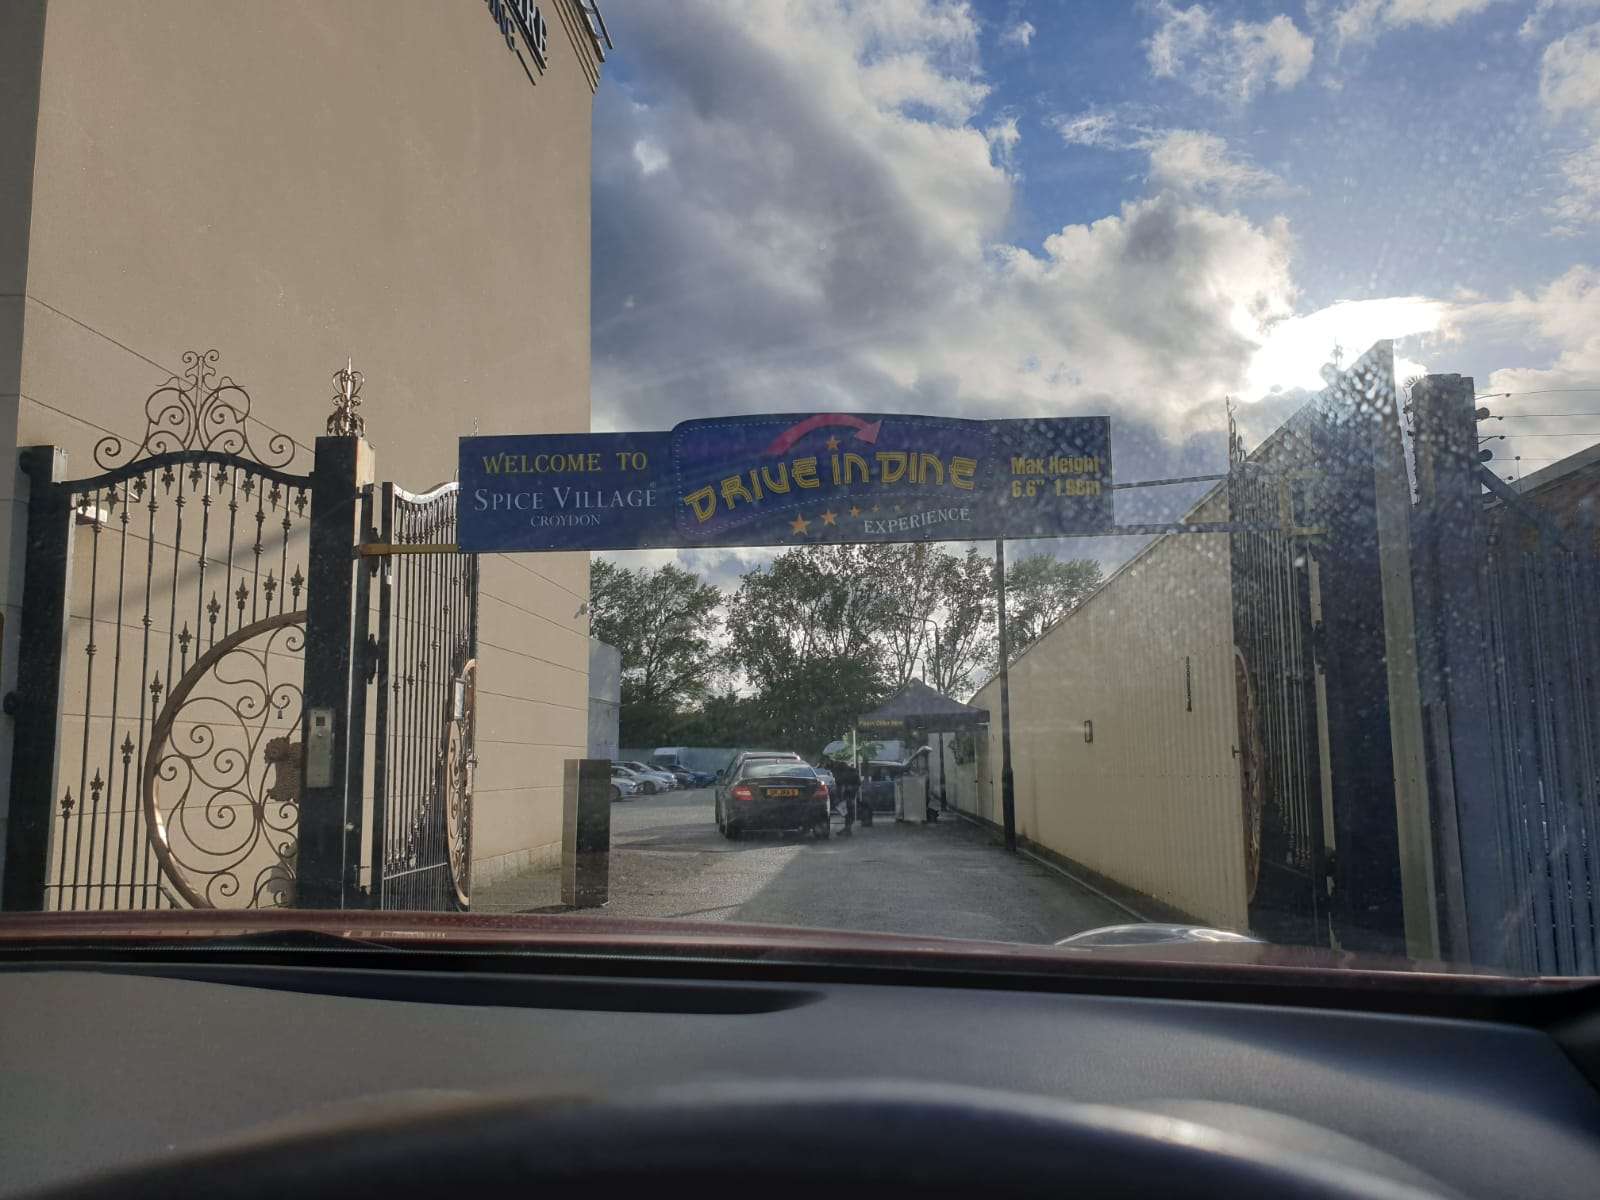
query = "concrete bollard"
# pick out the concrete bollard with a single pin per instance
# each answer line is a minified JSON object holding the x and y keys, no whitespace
{"x":586,"y":832}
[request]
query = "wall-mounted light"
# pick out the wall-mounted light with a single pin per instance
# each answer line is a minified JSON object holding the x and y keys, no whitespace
{"x":1088,"y":731}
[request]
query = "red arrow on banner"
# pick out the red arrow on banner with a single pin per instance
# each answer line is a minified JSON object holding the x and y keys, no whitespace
{"x":866,"y":431}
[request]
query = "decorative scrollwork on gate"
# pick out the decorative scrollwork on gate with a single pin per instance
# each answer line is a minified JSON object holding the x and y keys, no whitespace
{"x":457,"y":765}
{"x":197,"y":410}
{"x":221,"y":786}
{"x":345,"y":420}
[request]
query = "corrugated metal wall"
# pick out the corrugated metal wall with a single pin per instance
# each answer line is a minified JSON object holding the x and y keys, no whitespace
{"x":1153,"y":802}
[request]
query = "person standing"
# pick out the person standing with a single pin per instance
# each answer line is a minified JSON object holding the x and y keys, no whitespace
{"x":849,"y":780}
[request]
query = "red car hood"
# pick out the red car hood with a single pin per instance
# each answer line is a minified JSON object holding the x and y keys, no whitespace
{"x":576,"y":935}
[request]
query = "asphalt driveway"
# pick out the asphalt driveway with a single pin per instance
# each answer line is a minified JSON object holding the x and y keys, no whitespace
{"x":948,"y":879}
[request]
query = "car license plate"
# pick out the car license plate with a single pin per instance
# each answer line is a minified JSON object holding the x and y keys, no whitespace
{"x":783,"y":791}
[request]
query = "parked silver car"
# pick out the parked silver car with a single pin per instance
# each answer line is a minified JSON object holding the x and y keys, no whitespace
{"x":652,"y":779}
{"x":624,"y":783}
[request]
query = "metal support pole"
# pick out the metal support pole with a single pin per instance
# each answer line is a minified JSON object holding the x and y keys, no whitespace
{"x":938,"y":684}
{"x":1477,"y":886}
{"x":1008,"y":785}
{"x":342,"y":466}
{"x":586,"y":833}
{"x":36,"y":704}
{"x":363,"y":669}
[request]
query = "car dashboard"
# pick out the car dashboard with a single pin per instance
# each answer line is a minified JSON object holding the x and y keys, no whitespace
{"x":111,"y":1063}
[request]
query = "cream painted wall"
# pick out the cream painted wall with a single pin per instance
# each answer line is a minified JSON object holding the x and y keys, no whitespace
{"x":1153,"y":802}
{"x":299,"y":181}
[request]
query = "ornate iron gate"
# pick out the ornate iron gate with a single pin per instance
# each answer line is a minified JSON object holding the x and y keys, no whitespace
{"x":426,"y":679}
{"x":164,"y":694}
{"x":159,"y":686}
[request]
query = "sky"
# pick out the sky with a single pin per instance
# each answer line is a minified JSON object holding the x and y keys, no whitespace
{"x":1143,"y":209}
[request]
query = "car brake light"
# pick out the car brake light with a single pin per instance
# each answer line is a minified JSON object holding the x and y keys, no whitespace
{"x":822,"y":791}
{"x":741,"y":793}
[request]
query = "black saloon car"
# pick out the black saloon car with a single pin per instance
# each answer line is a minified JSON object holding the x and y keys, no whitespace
{"x":772,"y":794}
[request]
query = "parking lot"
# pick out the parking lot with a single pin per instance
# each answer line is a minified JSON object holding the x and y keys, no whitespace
{"x":948,"y":879}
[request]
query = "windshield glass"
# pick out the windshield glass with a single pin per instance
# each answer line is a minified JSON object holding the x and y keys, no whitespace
{"x":764,"y":770}
{"x":1147,"y":455}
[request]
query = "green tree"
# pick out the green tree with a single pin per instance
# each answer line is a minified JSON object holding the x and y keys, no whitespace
{"x":938,"y":613}
{"x":820,"y":696}
{"x":1040,"y":590}
{"x":805,"y":633}
{"x":914,"y":579}
{"x":645,"y":723}
{"x":724,"y":719}
{"x":810,"y":603}
{"x":664,"y":622}
{"x":966,"y":624}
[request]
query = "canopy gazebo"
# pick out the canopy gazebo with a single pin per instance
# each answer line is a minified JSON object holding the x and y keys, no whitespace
{"x":914,"y":714}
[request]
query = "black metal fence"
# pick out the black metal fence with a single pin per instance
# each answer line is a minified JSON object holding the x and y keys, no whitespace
{"x":1277,"y":745}
{"x":1510,"y":661}
{"x":1542,"y":650}
{"x":424,"y":756}
{"x":1317,"y":557}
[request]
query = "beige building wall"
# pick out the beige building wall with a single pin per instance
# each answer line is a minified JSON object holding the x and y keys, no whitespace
{"x":293,"y":183}
{"x":1153,"y":802}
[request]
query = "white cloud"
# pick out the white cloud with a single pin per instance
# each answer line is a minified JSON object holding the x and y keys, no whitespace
{"x":1278,"y":47}
{"x":1362,"y":20}
{"x":1184,"y":160}
{"x":911,"y":79}
{"x":1294,"y":349}
{"x":650,"y":157}
{"x":1569,"y":86}
{"x":1551,"y":338}
{"x":1182,"y":33}
{"x":1153,"y":312}
{"x":1578,"y":205}
{"x":1019,"y":34}
{"x":1357,"y":21}
{"x":1534,"y":26}
{"x":1192,"y":161}
{"x":1234,"y":61}
{"x":1087,"y":129}
{"x":1435,"y":13}
{"x":1562,"y":318}
{"x":1569,"y":74}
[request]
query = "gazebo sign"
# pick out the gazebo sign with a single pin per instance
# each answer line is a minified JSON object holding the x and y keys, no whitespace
{"x":786,"y":480}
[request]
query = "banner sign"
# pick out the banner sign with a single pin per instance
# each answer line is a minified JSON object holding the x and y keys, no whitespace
{"x":787,"y":480}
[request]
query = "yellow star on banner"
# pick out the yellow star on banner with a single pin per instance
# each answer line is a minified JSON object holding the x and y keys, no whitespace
{"x":855,"y":511}
{"x":830,"y":518}
{"x":833,"y":443}
{"x":800,"y":525}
